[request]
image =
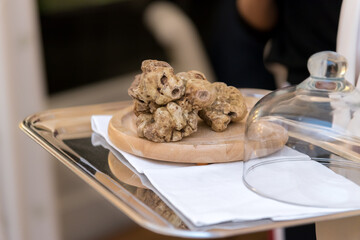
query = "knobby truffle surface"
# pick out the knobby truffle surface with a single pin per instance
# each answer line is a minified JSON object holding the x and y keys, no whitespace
{"x":229,"y":106}
{"x":167,"y":105}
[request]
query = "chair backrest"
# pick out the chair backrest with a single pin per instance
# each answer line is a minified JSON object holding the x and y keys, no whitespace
{"x":348,"y":41}
{"x":348,"y":38}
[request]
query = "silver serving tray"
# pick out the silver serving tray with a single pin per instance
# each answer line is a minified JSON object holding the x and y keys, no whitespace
{"x":67,"y":135}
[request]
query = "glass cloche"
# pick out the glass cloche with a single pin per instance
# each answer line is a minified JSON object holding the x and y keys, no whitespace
{"x":319,"y":165}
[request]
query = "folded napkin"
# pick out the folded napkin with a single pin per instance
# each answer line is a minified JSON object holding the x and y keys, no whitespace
{"x":100,"y":123}
{"x":215,"y":193}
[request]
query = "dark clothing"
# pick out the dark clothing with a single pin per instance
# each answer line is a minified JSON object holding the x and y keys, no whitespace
{"x":236,"y":55}
{"x":304,"y":28}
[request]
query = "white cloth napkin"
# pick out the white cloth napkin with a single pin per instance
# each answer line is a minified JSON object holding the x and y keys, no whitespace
{"x":215,"y":193}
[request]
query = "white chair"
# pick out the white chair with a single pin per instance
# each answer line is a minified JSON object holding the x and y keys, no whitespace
{"x":179,"y":37}
{"x":348,"y":45}
{"x":348,"y":38}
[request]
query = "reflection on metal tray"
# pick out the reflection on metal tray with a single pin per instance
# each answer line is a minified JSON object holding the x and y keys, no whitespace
{"x":66,"y":134}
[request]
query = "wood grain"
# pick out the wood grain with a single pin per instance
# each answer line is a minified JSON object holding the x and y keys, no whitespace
{"x":203,"y":146}
{"x":123,"y":173}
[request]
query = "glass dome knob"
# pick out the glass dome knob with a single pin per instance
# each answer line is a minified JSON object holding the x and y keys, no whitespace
{"x":327,"y":64}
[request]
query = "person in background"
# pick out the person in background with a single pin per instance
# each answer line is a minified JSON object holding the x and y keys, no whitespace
{"x":252,"y":36}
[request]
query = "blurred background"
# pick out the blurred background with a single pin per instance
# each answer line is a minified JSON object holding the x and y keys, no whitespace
{"x":61,"y":53}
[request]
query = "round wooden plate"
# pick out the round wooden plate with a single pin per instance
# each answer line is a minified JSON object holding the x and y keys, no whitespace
{"x":203,"y":146}
{"x":123,"y":173}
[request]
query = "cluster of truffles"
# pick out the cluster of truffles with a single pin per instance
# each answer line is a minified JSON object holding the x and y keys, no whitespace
{"x":167,"y":105}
